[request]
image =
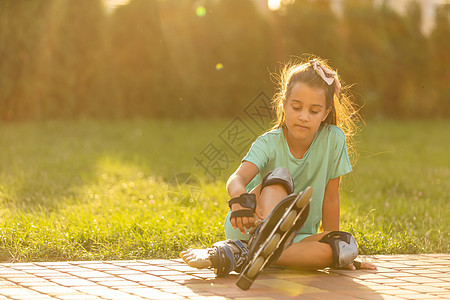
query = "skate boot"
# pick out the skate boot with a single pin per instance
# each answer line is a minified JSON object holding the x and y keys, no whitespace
{"x":274,"y":234}
{"x":224,"y":257}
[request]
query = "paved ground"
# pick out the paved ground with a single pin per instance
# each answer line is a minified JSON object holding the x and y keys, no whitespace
{"x":397,"y":277}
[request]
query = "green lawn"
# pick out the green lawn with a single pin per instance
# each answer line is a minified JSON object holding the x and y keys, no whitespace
{"x":83,"y":190}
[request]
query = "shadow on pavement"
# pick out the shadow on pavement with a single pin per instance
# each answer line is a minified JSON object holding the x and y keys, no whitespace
{"x":280,"y":283}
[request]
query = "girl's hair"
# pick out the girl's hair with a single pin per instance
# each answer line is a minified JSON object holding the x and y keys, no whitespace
{"x":343,"y":114}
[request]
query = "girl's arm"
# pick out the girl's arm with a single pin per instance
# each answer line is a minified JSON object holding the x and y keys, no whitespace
{"x":239,"y":180}
{"x":236,"y":186}
{"x":330,"y":215}
{"x":330,"y":208}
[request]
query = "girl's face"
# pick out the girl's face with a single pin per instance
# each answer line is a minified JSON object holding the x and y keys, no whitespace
{"x":305,"y":109}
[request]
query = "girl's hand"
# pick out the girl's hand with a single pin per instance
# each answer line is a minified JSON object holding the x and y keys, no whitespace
{"x":363,"y":265}
{"x":241,"y":222}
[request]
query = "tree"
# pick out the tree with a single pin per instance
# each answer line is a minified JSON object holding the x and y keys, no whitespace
{"x":21,"y":34}
{"x":311,"y":27}
{"x":140,"y":61}
{"x":439,"y":61}
{"x":76,"y":45}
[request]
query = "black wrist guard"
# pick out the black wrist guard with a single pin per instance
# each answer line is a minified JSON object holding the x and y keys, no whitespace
{"x":245,"y":200}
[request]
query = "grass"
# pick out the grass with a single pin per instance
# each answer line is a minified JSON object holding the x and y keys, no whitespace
{"x":396,"y":200}
{"x":85,"y":190}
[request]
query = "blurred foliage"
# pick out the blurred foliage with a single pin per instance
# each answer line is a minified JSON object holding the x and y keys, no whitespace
{"x":209,"y":58}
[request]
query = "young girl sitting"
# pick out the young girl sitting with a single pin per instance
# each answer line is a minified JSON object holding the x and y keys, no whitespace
{"x":306,"y":148}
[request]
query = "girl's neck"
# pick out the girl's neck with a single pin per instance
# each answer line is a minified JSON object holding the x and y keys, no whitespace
{"x":298,"y":148}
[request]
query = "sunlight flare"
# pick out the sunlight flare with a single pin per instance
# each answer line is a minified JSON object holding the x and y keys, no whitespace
{"x":274,"y":4}
{"x":219,"y":66}
{"x":200,"y":11}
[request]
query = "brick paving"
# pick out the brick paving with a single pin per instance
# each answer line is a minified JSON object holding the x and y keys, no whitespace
{"x":398,"y":277}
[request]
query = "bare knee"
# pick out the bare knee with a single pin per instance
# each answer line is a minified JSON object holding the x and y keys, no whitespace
{"x":269,"y":198}
{"x":274,"y":188}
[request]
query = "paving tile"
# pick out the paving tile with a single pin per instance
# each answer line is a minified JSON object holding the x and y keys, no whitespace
{"x":152,"y":293}
{"x":124,"y":271}
{"x":181,"y":268}
{"x":179,"y":278}
{"x":48,"y":273}
{"x":442,"y":284}
{"x":73,"y":282}
{"x":129,"y":263}
{"x":422,"y":280}
{"x":20,"y":293}
{"x":399,"y":292}
{"x":13,"y":273}
{"x":388,"y":281}
{"x":6,"y":284}
{"x":424,"y":272}
{"x":373,"y":276}
{"x":204,"y":275}
{"x":397,"y":277}
{"x":151,"y":268}
{"x":379,"y":287}
{"x":420,"y":296}
{"x":381,"y":269}
{"x":78,"y":297}
{"x":160,"y":284}
{"x":203,"y":286}
{"x":90,"y":273}
{"x":140,"y":277}
{"x":114,"y":294}
{"x":396,"y":274}
{"x":100,"y":266}
{"x":55,"y":290}
{"x":427,"y":289}
{"x":31,"y":281}
{"x":78,"y":262}
{"x":93,"y":290}
{"x":164,"y":272}
{"x":442,"y":294}
{"x":19,"y":265}
{"x":117,"y":283}
{"x":54,"y":265}
{"x":27,"y":267}
{"x":254,"y":298}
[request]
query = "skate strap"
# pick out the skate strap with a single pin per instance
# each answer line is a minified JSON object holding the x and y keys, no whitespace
{"x":246,"y":200}
{"x":241,"y":213}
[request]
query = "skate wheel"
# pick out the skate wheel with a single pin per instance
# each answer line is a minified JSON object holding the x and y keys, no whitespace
{"x":244,"y":283}
{"x":254,"y":269}
{"x":304,"y":198}
{"x":271,"y":245}
{"x":287,"y":223}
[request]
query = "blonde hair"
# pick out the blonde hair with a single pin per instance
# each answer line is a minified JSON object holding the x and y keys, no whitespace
{"x":344,"y":112}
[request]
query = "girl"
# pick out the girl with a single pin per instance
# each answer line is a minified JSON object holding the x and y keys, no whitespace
{"x":306,"y":147}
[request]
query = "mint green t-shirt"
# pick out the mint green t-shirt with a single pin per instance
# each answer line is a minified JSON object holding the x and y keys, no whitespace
{"x":326,"y":158}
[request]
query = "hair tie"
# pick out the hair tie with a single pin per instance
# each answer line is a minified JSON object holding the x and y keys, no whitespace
{"x":327,"y":75}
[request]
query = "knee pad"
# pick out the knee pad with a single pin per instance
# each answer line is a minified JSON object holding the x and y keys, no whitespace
{"x":344,"y":246}
{"x":279,"y":176}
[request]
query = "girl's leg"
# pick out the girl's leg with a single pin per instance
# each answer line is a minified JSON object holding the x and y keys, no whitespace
{"x":307,"y":254}
{"x":269,"y":197}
